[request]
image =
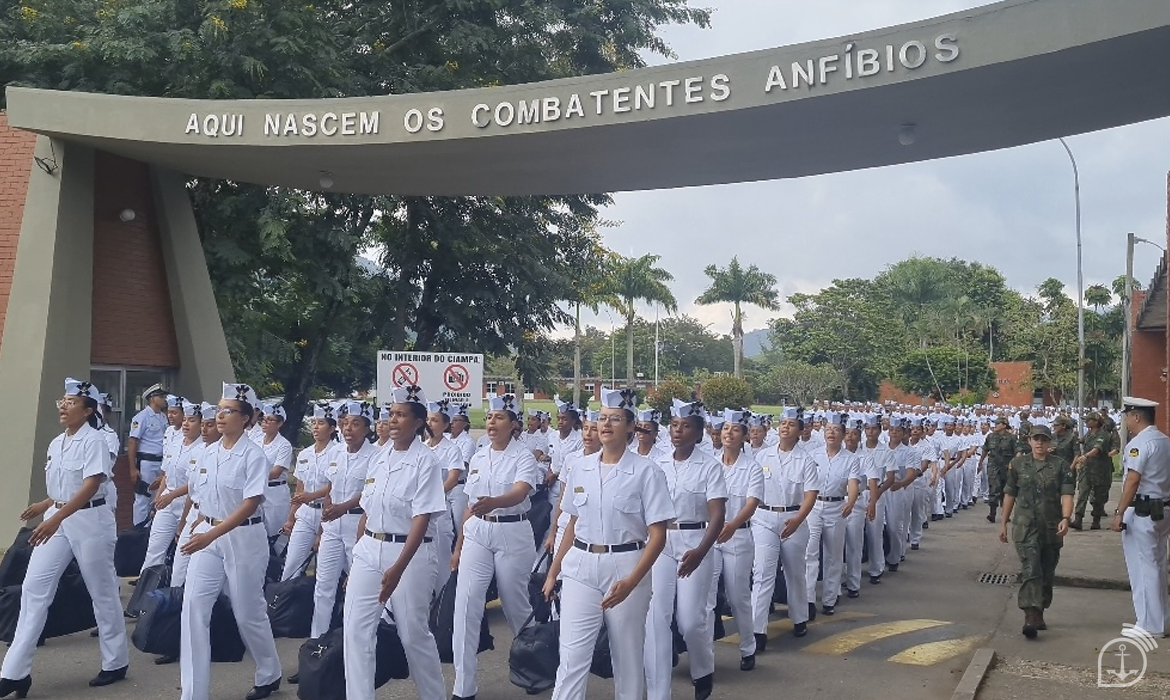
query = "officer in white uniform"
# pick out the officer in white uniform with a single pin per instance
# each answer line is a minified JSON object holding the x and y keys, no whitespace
{"x":618,"y":506}
{"x":394,"y":558}
{"x":278,"y":450}
{"x":77,"y":524}
{"x":780,"y":528}
{"x":839,"y":472}
{"x":735,"y":548}
{"x":496,"y":539}
{"x":311,"y":473}
{"x":229,"y":552}
{"x":144,"y":449}
{"x":342,"y":513}
{"x":682,"y":575}
{"x":172,"y":497}
{"x":923,"y":496}
{"x":451,"y":469}
{"x":1145,"y":522}
{"x":209,"y":432}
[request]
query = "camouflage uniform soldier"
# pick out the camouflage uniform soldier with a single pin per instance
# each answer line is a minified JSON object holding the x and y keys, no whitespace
{"x":1022,"y":446}
{"x":1094,"y":472}
{"x":1042,"y":485}
{"x":1064,"y":439}
{"x":998,"y":449}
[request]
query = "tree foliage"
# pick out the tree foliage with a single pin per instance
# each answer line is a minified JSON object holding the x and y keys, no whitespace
{"x":634,"y":281}
{"x":726,"y":391}
{"x":662,"y":396}
{"x":738,"y":286}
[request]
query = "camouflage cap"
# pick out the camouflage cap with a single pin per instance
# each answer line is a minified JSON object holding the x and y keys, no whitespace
{"x":1002,"y":419}
{"x":1041,"y":431}
{"x":1093,"y":415}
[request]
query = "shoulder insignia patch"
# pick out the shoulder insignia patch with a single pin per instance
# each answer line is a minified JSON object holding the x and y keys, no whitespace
{"x":579,"y":489}
{"x":369,"y":481}
{"x":1133,"y":452}
{"x":133,"y":424}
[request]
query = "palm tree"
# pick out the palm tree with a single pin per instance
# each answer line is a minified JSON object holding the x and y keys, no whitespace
{"x":1098,"y":295}
{"x":634,"y":280}
{"x":739,"y":286}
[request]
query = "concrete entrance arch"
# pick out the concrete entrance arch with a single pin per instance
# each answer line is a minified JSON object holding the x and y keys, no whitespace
{"x":998,"y":76}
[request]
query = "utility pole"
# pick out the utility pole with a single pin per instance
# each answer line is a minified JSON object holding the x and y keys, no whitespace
{"x":1127,"y":310}
{"x":1080,"y":286}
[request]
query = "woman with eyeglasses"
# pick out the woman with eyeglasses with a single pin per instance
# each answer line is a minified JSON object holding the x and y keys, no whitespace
{"x":304,"y":518}
{"x":77,"y":524}
{"x":618,"y":506}
{"x":496,"y":538}
{"x":278,"y":450}
{"x":591,"y":443}
{"x":229,"y":551}
{"x":682,"y":573}
{"x":394,"y":558}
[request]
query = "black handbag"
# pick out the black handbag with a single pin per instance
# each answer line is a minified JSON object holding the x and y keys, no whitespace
{"x":321,"y":668}
{"x":442,"y":622}
{"x":226,"y":644}
{"x":130,"y":550}
{"x":541,"y":608}
{"x":535,"y":655}
{"x":72,"y":608}
{"x":152,"y":578}
{"x":9,"y":612}
{"x":602,"y":664}
{"x":159,"y":621}
{"x":290,"y":604}
{"x":15,"y":563}
{"x":277,"y":552}
{"x":540,"y":515}
{"x":389,"y":655}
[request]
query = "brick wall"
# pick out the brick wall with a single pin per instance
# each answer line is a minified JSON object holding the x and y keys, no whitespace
{"x":132,"y":322}
{"x":16,"y":150}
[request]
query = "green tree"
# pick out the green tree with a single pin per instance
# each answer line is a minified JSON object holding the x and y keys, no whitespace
{"x":662,"y":396}
{"x":633,"y":281}
{"x":738,"y":286}
{"x":1098,"y":295}
{"x":942,"y":371}
{"x":799,"y":383}
{"x":725,"y":391}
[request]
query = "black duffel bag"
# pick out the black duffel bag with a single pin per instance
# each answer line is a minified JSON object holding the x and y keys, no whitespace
{"x":130,"y":550}
{"x":159,"y":621}
{"x":152,"y":579}
{"x":277,"y":552}
{"x":321,"y":668}
{"x":16,"y":559}
{"x":290,"y":604}
{"x":390,"y":656}
{"x":71,"y":610}
{"x":9,"y":612}
{"x":602,"y":664}
{"x":535,"y":654}
{"x":540,"y":515}
{"x":442,"y":622}
{"x":541,"y":608}
{"x":226,"y":644}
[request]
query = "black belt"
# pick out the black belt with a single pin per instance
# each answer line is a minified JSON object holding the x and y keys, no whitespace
{"x":686,"y":526}
{"x":608,"y":548}
{"x":314,"y":504}
{"x":387,"y":537}
{"x":215,"y":522}
{"x":92,"y":504}
{"x":461,"y":482}
{"x":277,"y":483}
{"x":745,"y":526}
{"x":504,"y":518}
{"x":830,"y":499}
{"x":148,"y":457}
{"x":355,"y":511}
{"x":779,"y":509}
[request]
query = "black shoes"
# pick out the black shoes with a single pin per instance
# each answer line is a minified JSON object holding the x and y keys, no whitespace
{"x":747,"y":663}
{"x":259,"y":692}
{"x":812,"y":611}
{"x":850,"y":593}
{"x":20,"y":687}
{"x":875,"y":580}
{"x":460,"y":697}
{"x":761,"y":643}
{"x":914,"y":546}
{"x":800,"y":629}
{"x":703,"y":686}
{"x":294,"y":678}
{"x":892,"y":567}
{"x":828,"y":609}
{"x":108,"y":677}
{"x":925,"y":525}
{"x":1078,"y":523}
{"x":166,"y":659}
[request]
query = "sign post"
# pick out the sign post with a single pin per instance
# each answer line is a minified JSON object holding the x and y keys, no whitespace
{"x":442,"y":375}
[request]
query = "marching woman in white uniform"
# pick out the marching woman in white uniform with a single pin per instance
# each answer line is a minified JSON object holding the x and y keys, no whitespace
{"x":840,"y":483}
{"x":341,"y":515}
{"x":735,"y":548}
{"x":682,"y":577}
{"x":450,"y":459}
{"x":110,"y":435}
{"x":209,"y":432}
{"x":456,"y":498}
{"x":172,"y":495}
{"x":591,"y":444}
{"x":382,"y":425}
{"x":279,"y":451}
{"x":394,"y":558}
{"x":872,"y":475}
{"x":311,"y":471}
{"x":144,"y":448}
{"x":646,"y":438}
{"x":77,"y":524}
{"x":229,"y":552}
{"x":780,"y":528}
{"x":496,"y":537}
{"x":618,"y":506}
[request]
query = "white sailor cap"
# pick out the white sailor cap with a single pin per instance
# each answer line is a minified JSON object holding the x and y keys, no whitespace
{"x":535,"y":413}
{"x":361,"y":409}
{"x":441,"y":406}
{"x":240,"y":392}
{"x":716,"y":421}
{"x":324,"y":411}
{"x":275,"y":410}
{"x":591,"y":416}
{"x":733,"y":416}
{"x":1129,"y":402}
{"x":872,"y":420}
{"x":649,"y":415}
{"x":619,"y":398}
{"x":683,"y":409}
{"x":835,"y":418}
{"x":459,"y":410}
{"x":792,"y":413}
{"x":74,"y":387}
{"x":504,"y":402}
{"x":152,"y":390}
{"x":192,"y":409}
{"x":408,"y":394}
{"x":174,"y":401}
{"x":566,"y":406}
{"x":107,"y":400}
{"x":758,"y":420}
{"x":207,"y":411}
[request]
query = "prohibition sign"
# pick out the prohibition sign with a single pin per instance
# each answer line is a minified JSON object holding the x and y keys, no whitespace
{"x":456,"y":377}
{"x":404,"y":374}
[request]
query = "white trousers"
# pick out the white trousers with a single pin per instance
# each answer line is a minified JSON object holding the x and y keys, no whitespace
{"x":300,"y":540}
{"x":182,"y":561}
{"x":733,"y":561}
{"x":855,"y":532}
{"x":457,"y":505}
{"x":825,"y":523}
{"x":873,"y":535}
{"x":693,"y":612}
{"x":921,"y":497}
{"x":441,"y":548}
{"x":87,"y":535}
{"x":410,"y":602}
{"x":790,"y":553}
{"x":897,"y":517}
{"x":586,"y":580}
{"x":334,"y":559}
{"x":277,"y":502}
{"x":162,"y":533}
{"x":953,"y":484}
{"x":148,"y":472}
{"x":1144,"y":543}
{"x":233,"y":564}
{"x":981,"y":479}
{"x":967,"y":493}
{"x":500,"y":549}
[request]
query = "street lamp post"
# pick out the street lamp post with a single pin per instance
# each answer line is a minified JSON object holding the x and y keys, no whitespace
{"x":612,"y":351}
{"x":1080,"y":286}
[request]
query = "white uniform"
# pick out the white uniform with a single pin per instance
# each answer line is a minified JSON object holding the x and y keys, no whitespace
{"x":399,"y":486}
{"x":827,"y":523}
{"x":149,"y":427}
{"x":499,"y":544}
{"x":924,"y":498}
{"x":613,"y":505}
{"x":181,"y":562}
{"x":733,"y":559}
{"x":87,"y":535}
{"x":903,"y":457}
{"x":233,"y":564}
{"x":561,"y":448}
{"x":568,"y":463}
{"x":1144,"y":540}
{"x":692,"y":483}
{"x":449,"y":457}
{"x":277,"y":497}
{"x":176,"y":464}
{"x":310,"y":470}
{"x":953,"y":481}
{"x":787,"y":477}
{"x":456,"y":498}
{"x":346,"y":472}
{"x":112,"y":441}
{"x":858,"y":528}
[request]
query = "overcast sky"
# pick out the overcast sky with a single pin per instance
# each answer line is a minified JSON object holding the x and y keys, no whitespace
{"x":1012,"y":209}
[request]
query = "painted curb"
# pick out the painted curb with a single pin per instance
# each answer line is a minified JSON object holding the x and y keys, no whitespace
{"x":974,"y":675}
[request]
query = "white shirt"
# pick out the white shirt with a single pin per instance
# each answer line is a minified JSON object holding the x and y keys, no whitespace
{"x":279,"y":454}
{"x":312,"y":466}
{"x":466,"y":445}
{"x":72,"y":459}
{"x":226,"y":478}
{"x":692,"y":483}
{"x":448,"y":455}
{"x":401,"y":485}
{"x":620,"y":507}
{"x":149,"y":427}
{"x":744,"y":479}
{"x":1148,"y":454}
{"x":787,"y":475}
{"x":347,"y":471}
{"x":112,"y":441}
{"x":876,"y":462}
{"x":836,"y":471}
{"x":562,"y":447}
{"x":494,"y":473}
{"x":176,"y":462}
{"x":536,"y":441}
